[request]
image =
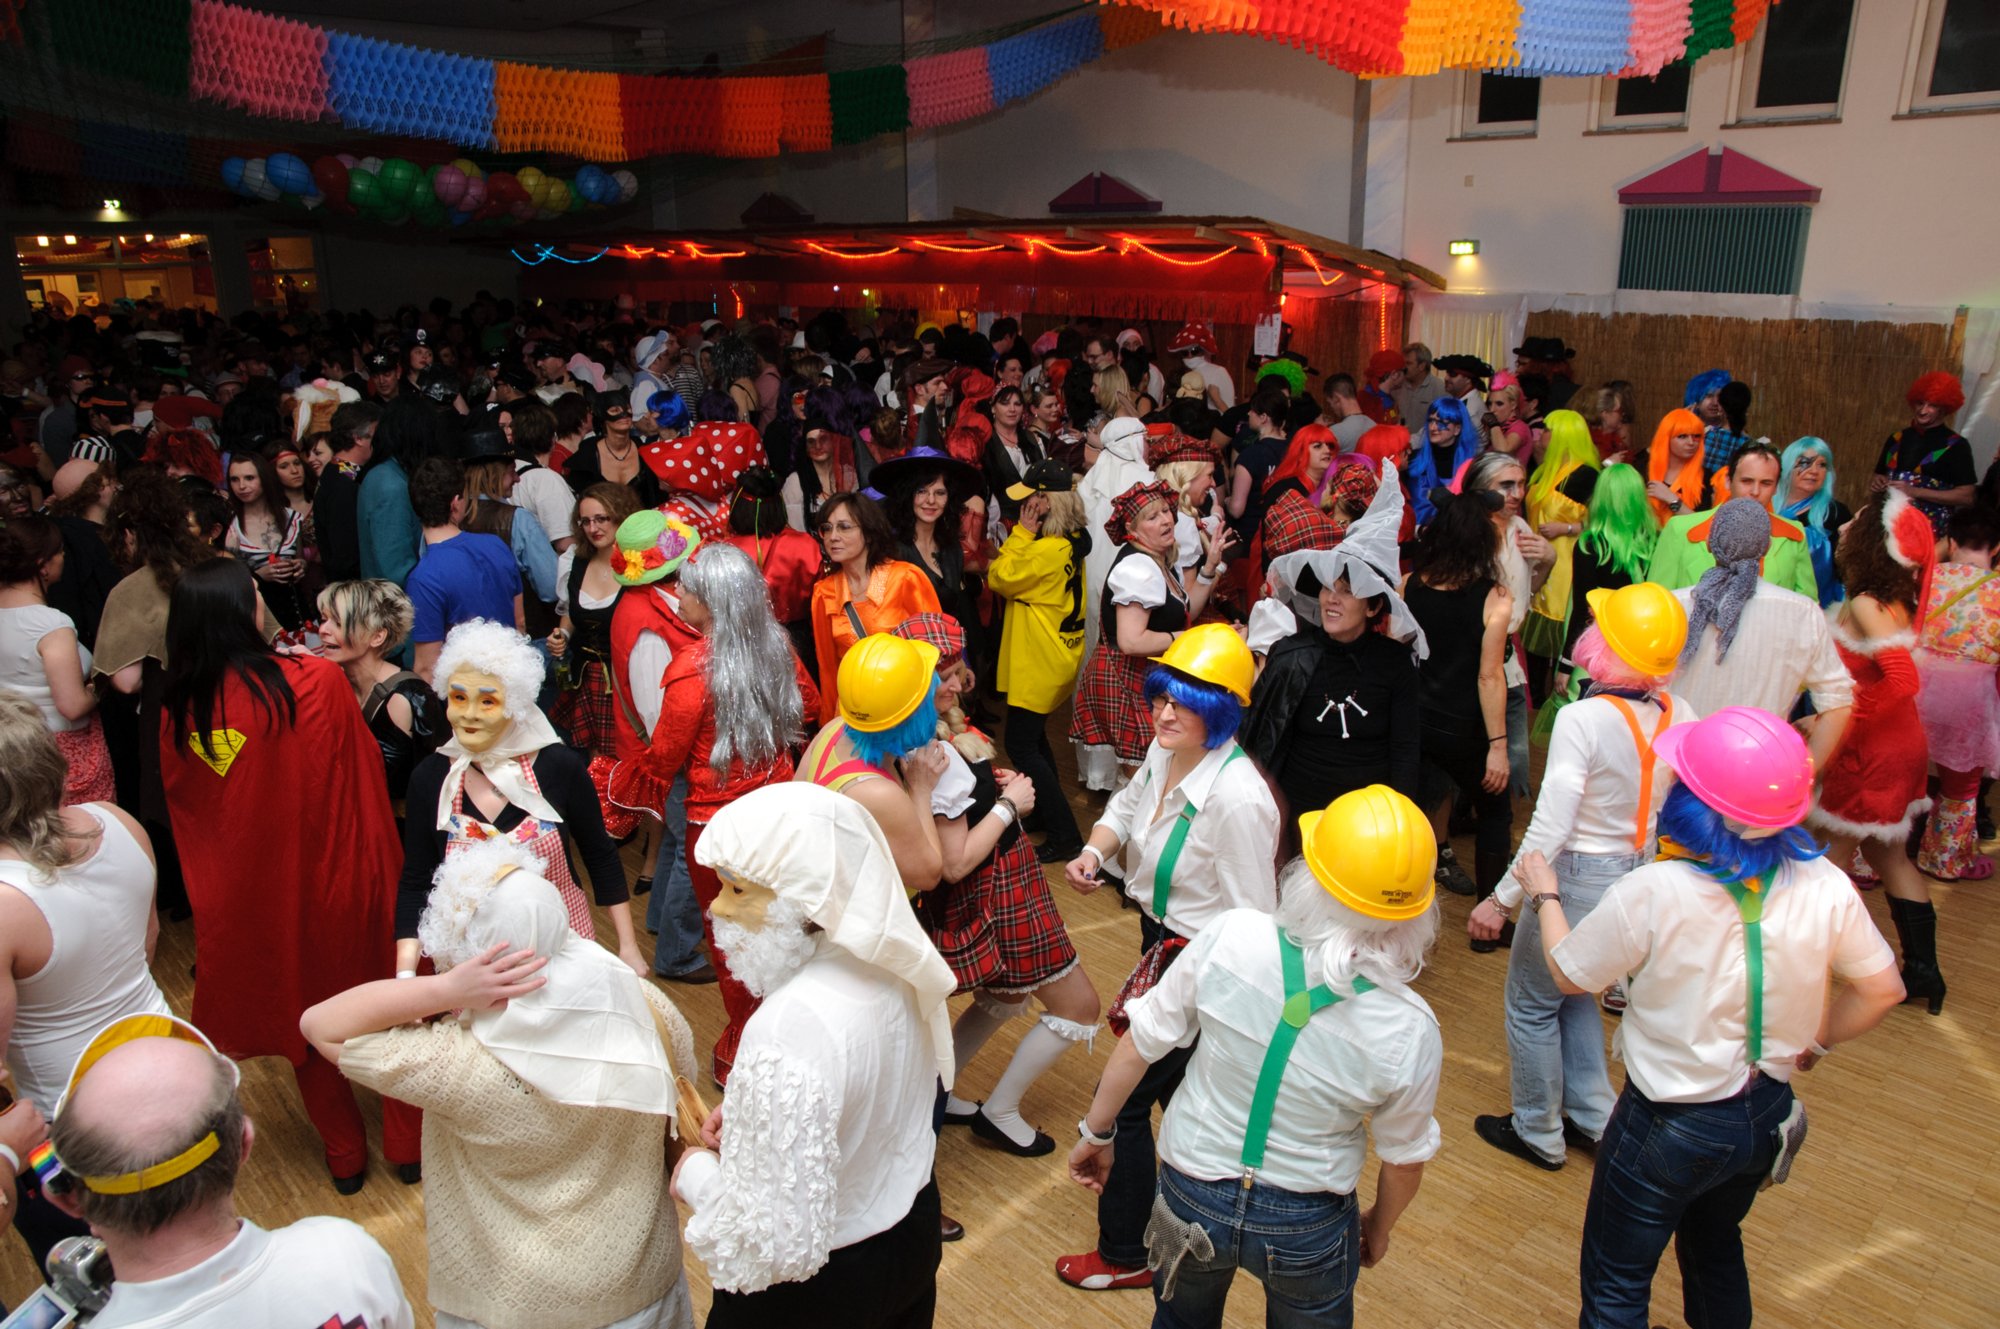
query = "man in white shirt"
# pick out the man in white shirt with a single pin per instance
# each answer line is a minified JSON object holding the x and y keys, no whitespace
{"x":1781,"y":647}
{"x":818,"y":1206}
{"x":1195,"y":345}
{"x":151,"y":1135}
{"x":1343,"y":407}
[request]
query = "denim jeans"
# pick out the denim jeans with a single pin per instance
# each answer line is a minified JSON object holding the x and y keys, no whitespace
{"x":1517,"y":741}
{"x":1685,"y":1171}
{"x":672,"y":910}
{"x":1556,"y":1042}
{"x":1126,"y":1203}
{"x":1303,"y":1248}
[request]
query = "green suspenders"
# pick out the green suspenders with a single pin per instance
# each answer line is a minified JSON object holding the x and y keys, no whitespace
{"x":1301,"y":1002}
{"x":1750,"y":907}
{"x":1163,"y":871}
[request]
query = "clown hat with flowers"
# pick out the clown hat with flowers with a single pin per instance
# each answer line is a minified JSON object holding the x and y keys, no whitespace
{"x":651,"y":547}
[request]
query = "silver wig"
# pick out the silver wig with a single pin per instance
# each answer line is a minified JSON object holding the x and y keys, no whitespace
{"x":1346,"y":943}
{"x":752,"y":680}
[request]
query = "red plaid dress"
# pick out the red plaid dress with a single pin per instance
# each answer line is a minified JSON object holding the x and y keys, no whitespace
{"x":1293,"y":522}
{"x":1110,"y":706}
{"x":998,"y":927}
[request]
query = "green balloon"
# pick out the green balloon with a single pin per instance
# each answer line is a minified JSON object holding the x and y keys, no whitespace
{"x":364,"y":191}
{"x":576,"y":198}
{"x":397,"y":178}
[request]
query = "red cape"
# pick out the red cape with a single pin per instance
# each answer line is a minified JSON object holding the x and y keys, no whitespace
{"x":291,"y":856}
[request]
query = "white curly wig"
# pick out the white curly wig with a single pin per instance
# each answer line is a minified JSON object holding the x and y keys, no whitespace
{"x":458,"y":888}
{"x":496,"y":649}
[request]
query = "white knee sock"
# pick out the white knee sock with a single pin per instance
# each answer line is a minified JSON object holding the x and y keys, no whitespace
{"x":977,"y":1024}
{"x":1041,"y":1047}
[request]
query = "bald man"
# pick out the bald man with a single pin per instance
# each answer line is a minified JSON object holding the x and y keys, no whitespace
{"x":151,"y":1136}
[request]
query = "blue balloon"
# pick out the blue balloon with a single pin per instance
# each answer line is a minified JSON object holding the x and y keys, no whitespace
{"x":289,"y":173}
{"x":590,"y":182}
{"x":232,"y":173}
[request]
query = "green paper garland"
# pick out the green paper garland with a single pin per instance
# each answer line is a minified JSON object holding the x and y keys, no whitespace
{"x":867,"y":102}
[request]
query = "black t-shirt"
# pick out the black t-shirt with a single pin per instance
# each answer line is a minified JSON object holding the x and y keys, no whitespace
{"x":1910,"y":449}
{"x":1356,"y":725}
{"x":1259,"y":457}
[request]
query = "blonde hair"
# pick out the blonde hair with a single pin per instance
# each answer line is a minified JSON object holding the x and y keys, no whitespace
{"x":1112,"y":390}
{"x":1066,"y":515}
{"x":1508,"y":391}
{"x":483,"y":483}
{"x":365,"y":607}
{"x":1179,"y":476}
{"x":31,"y":797}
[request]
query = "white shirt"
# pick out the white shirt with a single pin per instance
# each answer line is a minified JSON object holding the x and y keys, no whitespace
{"x":1782,"y":647}
{"x":1519,"y":579}
{"x":1270,"y":623}
{"x":1111,"y":476}
{"x":648,"y":666}
{"x":1372,"y":1059}
{"x":1676,"y":939}
{"x":547,"y":495}
{"x":1589,"y":797}
{"x":827,"y":1135}
{"x":1226,"y":861}
{"x":22,"y":668}
{"x":316,"y":1271}
{"x":565,"y":564}
{"x":1213,"y":376}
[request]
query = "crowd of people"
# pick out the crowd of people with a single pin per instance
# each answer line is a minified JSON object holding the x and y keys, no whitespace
{"x":370,"y":642}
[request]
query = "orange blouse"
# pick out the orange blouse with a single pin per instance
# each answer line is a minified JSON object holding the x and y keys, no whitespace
{"x":896,"y":591}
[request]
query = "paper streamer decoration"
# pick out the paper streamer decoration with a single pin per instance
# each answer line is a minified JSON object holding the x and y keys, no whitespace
{"x":1024,"y":64}
{"x":537,"y":109}
{"x":1126,"y":26}
{"x":140,"y":41}
{"x":1710,"y":27}
{"x":808,"y":120}
{"x":394,"y":89}
{"x":953,"y":86}
{"x":749,"y":116}
{"x":268,"y":66}
{"x":867,"y":102}
{"x":1659,"y":35}
{"x":1559,"y":37}
{"x":1743,"y":23}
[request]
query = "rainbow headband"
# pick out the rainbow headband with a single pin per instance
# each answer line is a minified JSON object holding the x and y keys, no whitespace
{"x":115,"y":1035}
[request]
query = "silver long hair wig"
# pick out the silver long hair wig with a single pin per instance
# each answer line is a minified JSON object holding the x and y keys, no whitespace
{"x":752,"y":682}
{"x":1344,"y":943}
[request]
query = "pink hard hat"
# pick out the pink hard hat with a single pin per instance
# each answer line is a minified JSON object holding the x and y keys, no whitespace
{"x":1745,"y":763}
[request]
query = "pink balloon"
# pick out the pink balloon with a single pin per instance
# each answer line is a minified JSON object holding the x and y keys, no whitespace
{"x":450,"y":183}
{"x":474,"y":196}
{"x":347,"y":159}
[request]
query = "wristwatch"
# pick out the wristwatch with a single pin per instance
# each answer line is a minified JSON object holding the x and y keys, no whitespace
{"x":1535,"y":902}
{"x":1089,"y":1137}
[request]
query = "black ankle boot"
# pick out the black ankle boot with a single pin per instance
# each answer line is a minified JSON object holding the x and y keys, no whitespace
{"x":1916,"y":931}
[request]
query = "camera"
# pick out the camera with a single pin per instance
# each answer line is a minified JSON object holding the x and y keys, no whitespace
{"x":79,"y":1285}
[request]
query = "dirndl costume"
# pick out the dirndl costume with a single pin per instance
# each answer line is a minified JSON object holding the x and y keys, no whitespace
{"x":1111,"y":709}
{"x":543,"y":838}
{"x":1874,"y":784}
{"x":89,"y":779}
{"x":998,"y":928}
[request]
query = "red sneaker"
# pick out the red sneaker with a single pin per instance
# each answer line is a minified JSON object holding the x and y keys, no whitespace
{"x":1093,"y":1273}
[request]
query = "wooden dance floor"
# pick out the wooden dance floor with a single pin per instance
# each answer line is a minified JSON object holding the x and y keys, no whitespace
{"x":1889,"y":1218}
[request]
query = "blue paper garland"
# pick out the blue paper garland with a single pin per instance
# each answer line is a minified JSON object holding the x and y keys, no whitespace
{"x":388,"y":88}
{"x":1023,"y":65}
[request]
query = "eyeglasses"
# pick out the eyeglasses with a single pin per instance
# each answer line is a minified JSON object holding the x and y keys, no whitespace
{"x":839,"y":528}
{"x":594,"y":521}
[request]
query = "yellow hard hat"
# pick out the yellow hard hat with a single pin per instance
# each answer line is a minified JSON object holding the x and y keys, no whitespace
{"x":1213,"y":653}
{"x":883,"y":679}
{"x":1643,"y":624}
{"x":1374,"y":852}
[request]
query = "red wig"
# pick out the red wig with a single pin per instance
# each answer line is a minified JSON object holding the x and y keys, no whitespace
{"x":189,"y":449}
{"x":1939,"y":389}
{"x":1384,"y":443}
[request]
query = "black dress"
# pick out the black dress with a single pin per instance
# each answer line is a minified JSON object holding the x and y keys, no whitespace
{"x":1455,"y":742}
{"x":583,"y":470}
{"x":428,"y":727}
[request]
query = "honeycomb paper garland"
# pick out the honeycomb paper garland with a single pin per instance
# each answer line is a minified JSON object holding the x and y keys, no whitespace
{"x":808,"y":114}
{"x":867,"y":102}
{"x":1024,"y":64}
{"x":268,"y":66}
{"x":390,"y":88}
{"x":1710,"y":27}
{"x":1659,"y":36}
{"x":539,"y":109}
{"x":950,"y":87}
{"x":1573,"y":37}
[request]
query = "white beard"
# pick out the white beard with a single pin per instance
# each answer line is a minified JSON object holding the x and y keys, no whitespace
{"x":762,"y":960}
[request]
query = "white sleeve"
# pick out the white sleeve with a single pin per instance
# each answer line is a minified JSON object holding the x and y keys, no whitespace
{"x":544,"y":493}
{"x":1827,"y":679}
{"x":1137,"y":581}
{"x":1241,"y":821}
{"x":795,"y":503}
{"x":565,"y":561}
{"x":1270,"y":623}
{"x":650,"y":657}
{"x":1121,"y":810}
{"x":955,"y":787}
{"x":1167,"y":1017}
{"x":1556,"y":805}
{"x":766,"y":1214}
{"x":1614,"y":939}
{"x":1403,"y":1126}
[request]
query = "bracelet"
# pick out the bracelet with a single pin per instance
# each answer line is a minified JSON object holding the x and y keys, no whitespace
{"x":1002,"y":809}
{"x":1502,"y":738}
{"x":1094,"y":852}
{"x":406,"y":973}
{"x":1090,"y":1137}
{"x":1204,"y":575}
{"x":13,"y":1160}
{"x":1817,"y":1050}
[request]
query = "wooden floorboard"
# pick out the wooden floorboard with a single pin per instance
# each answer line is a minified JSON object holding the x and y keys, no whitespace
{"x":1889,"y":1219}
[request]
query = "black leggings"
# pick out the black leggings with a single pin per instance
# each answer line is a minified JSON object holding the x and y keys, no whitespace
{"x":1027,"y":738}
{"x":1452,"y":760}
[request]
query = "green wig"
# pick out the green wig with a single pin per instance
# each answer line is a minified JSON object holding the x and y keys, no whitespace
{"x":1570,"y":446}
{"x":1621,"y":528}
{"x":1291,"y":371}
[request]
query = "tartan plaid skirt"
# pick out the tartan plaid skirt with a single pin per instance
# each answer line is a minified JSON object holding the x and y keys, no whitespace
{"x":585,"y":712}
{"x":998,"y":928}
{"x":1110,"y":708}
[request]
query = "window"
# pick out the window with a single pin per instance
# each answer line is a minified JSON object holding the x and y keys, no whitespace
{"x":1756,"y":249}
{"x":68,"y":273}
{"x":1796,"y":68}
{"x":1644,"y":103}
{"x":1955,"y":58}
{"x":1499,"y":106}
{"x":282,"y":272}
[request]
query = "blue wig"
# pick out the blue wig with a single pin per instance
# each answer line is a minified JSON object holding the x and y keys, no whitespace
{"x":1706,"y":382}
{"x":1446,"y":411}
{"x":1219,"y":711}
{"x":669,"y":408}
{"x":1814,"y":512}
{"x":1699,"y":829}
{"x":883,"y":747}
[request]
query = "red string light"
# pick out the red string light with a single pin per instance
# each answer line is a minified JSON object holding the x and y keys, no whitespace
{"x":739,"y":301}
{"x":1318,"y":272}
{"x":1127,"y":245}
{"x":1032,"y":241}
{"x":695,"y":251}
{"x":634,"y":251}
{"x":956,"y":249}
{"x":818,"y":248}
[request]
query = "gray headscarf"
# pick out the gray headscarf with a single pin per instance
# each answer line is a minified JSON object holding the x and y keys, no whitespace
{"x":1739,"y":534}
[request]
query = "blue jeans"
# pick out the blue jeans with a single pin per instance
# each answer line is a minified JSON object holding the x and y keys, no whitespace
{"x":1556,"y":1043}
{"x":1685,"y":1171}
{"x":671,"y":910}
{"x":1517,"y":741}
{"x":1304,"y":1249}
